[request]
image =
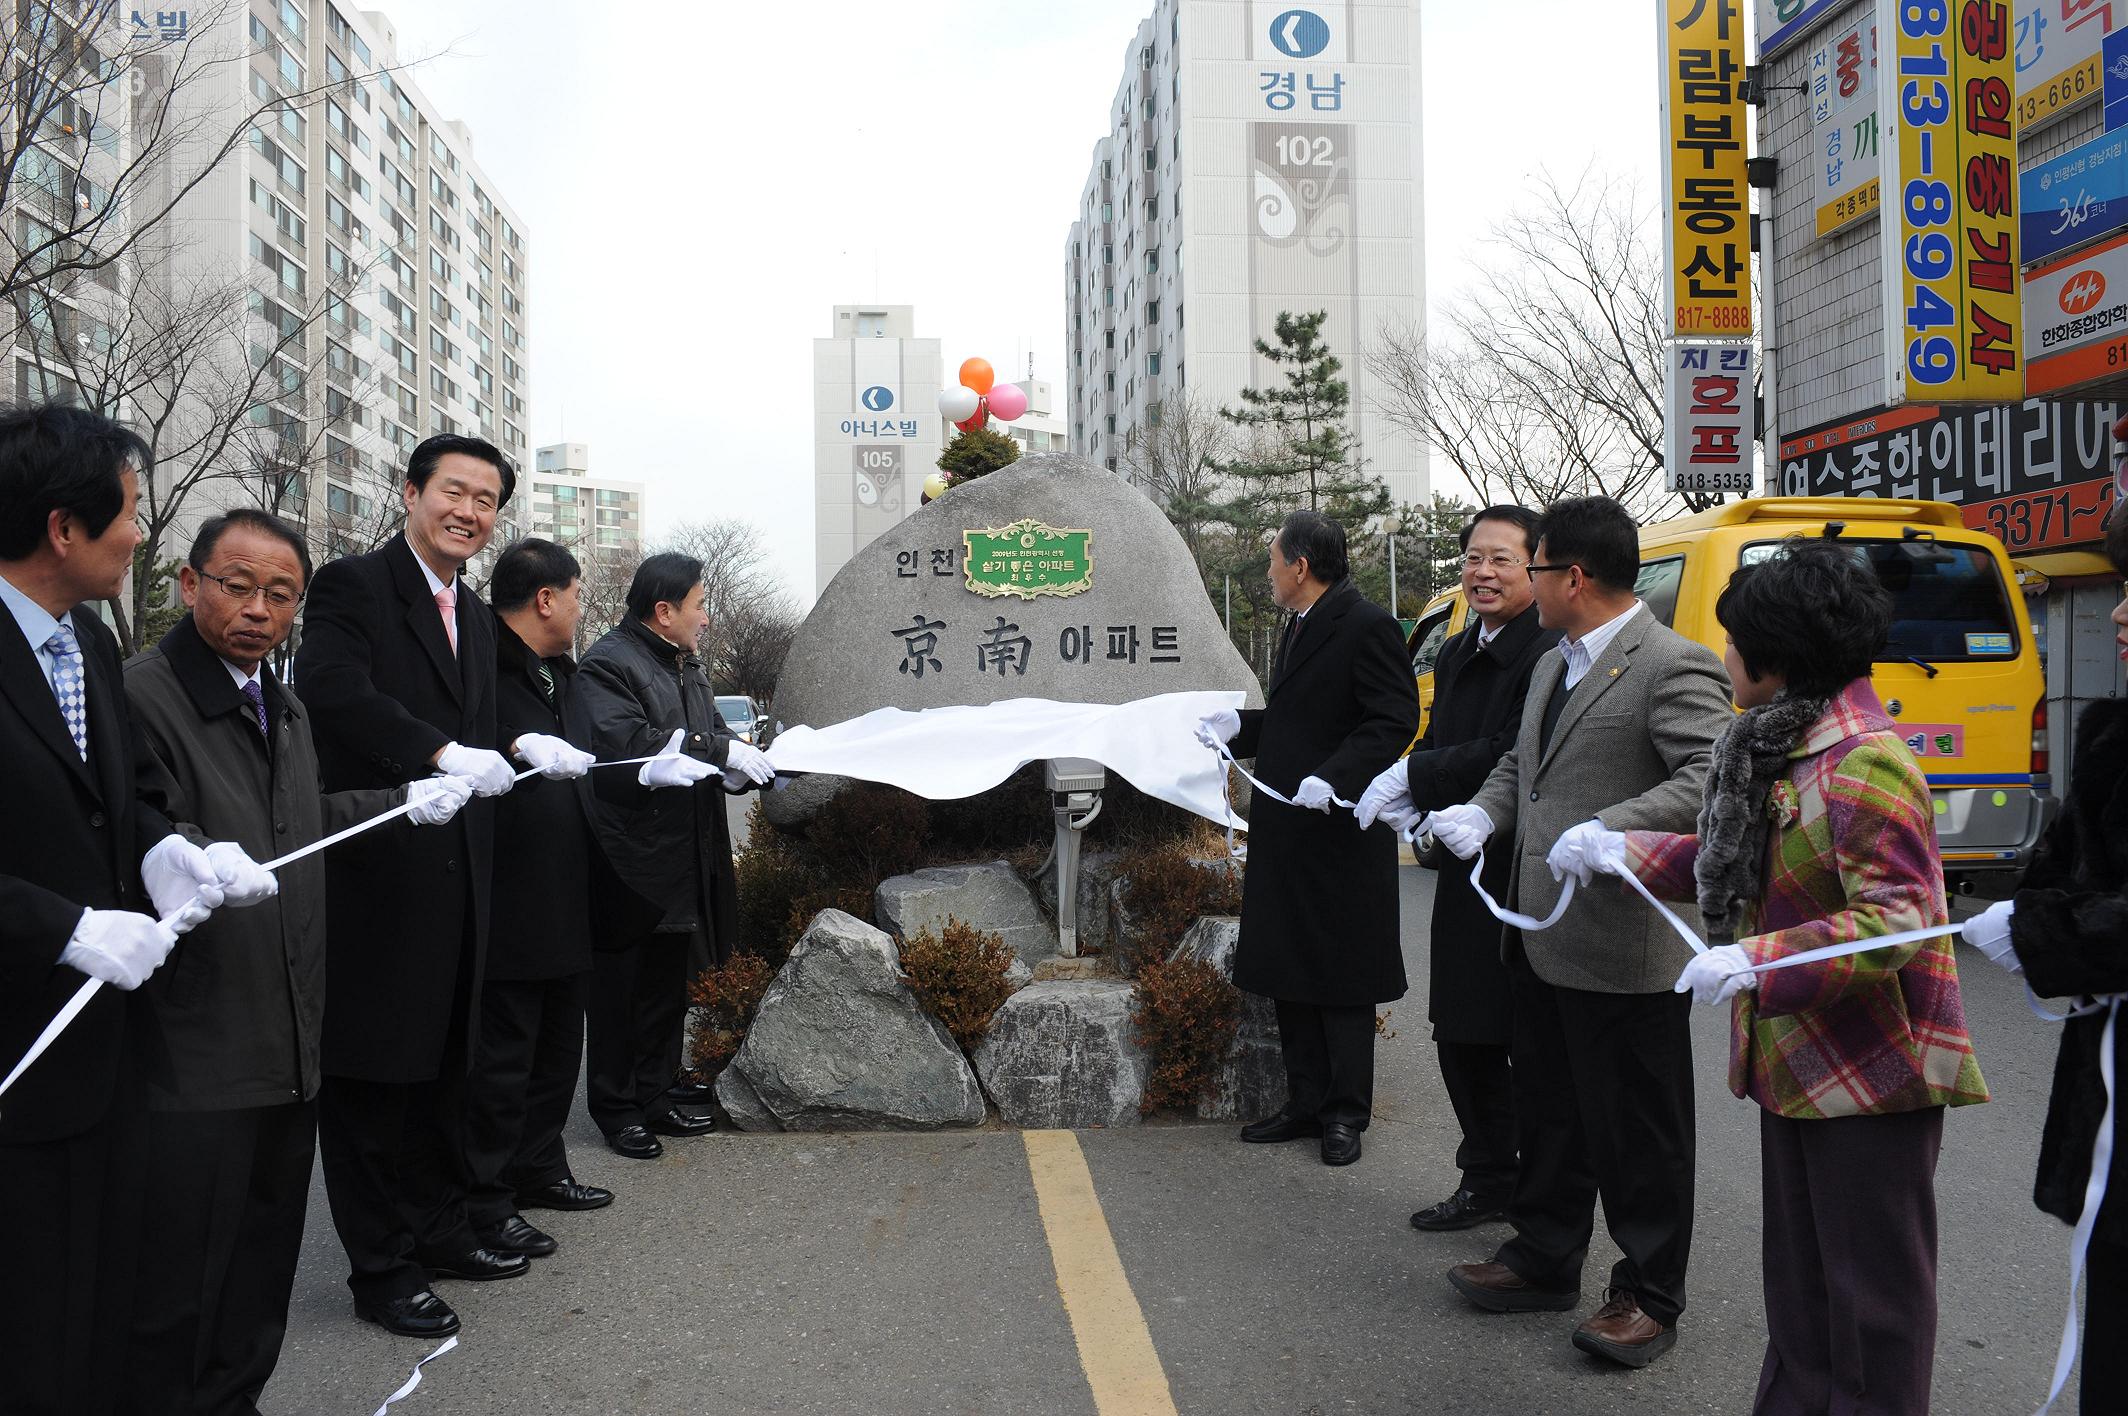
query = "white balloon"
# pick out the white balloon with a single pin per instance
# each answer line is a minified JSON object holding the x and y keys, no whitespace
{"x":958,"y":404}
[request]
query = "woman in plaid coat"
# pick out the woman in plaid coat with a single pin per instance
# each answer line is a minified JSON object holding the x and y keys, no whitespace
{"x":1817,"y":829}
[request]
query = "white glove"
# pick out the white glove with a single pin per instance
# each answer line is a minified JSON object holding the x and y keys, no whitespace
{"x":1401,"y":819}
{"x":1218,"y":726}
{"x":244,"y":880}
{"x":1463,"y":829}
{"x":491,"y":772}
{"x":1717,"y":975}
{"x":674,"y":768}
{"x":118,"y":946}
{"x":1583,"y":850}
{"x":176,"y":872}
{"x":1989,"y":932}
{"x":556,"y":759}
{"x":437,"y":799}
{"x":190,"y":916}
{"x":1387,"y":792}
{"x":751,"y":760}
{"x":1315,"y":794}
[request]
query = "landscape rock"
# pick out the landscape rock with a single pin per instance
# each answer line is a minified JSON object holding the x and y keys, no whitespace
{"x":859,"y":648}
{"x":841,"y":1044}
{"x":1251,"y":1082}
{"x":1061,"y":1055}
{"x":1097,"y":869}
{"x":1019,"y":975}
{"x":793,"y":807}
{"x":989,"y":896}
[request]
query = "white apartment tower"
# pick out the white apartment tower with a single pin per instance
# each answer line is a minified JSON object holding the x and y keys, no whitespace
{"x":1258,"y":158}
{"x":560,"y":500}
{"x":351,"y":272}
{"x":876,"y":428}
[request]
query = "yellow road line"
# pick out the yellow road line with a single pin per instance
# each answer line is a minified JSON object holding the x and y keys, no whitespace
{"x":1115,"y":1347}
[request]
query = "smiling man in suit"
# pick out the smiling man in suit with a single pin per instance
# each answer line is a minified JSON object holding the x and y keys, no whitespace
{"x":1319,"y":900}
{"x":1616,"y":735}
{"x":397,"y":666}
{"x":93,"y":884}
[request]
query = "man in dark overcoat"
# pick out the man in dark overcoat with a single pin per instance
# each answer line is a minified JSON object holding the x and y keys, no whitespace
{"x":641,"y":684}
{"x":232,"y":1021}
{"x":1319,"y":900}
{"x":1480,"y":681}
{"x":397,"y":666}
{"x":539,"y":949}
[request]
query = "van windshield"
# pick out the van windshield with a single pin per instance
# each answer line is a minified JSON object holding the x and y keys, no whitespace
{"x":735,"y":709}
{"x":1948,"y":601}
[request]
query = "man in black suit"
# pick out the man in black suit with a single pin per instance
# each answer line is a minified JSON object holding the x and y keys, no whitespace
{"x":93,"y":883}
{"x":1480,"y":681}
{"x":397,"y":666}
{"x":539,"y":950}
{"x":1319,"y":901}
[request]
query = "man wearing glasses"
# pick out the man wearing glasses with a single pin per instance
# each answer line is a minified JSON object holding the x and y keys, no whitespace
{"x":235,"y":1015}
{"x":1480,"y":682}
{"x":1616,"y":735}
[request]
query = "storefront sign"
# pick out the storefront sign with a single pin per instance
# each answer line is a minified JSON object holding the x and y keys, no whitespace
{"x":1846,"y":161}
{"x":1706,"y":230}
{"x":1708,"y":422}
{"x":2076,"y":319}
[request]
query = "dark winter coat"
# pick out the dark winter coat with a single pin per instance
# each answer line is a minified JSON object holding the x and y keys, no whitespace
{"x":2070,"y":929}
{"x":407,"y":920}
{"x":234,"y":1016}
{"x":670,"y":847}
{"x":1319,"y":898}
{"x":543,"y":848}
{"x":1477,"y":710}
{"x":71,"y":837}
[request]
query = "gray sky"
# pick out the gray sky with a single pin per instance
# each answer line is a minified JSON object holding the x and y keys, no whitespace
{"x":701,"y":191}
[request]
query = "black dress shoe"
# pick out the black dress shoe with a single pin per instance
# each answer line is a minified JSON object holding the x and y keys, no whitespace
{"x":1274,"y":1129}
{"x":1341,"y":1143}
{"x":565,"y":1195}
{"x":420,"y":1314}
{"x":1462,"y":1210}
{"x":635,"y":1143}
{"x":514,"y":1236}
{"x":479,"y":1265}
{"x":698,"y":1092}
{"x":679,"y":1123}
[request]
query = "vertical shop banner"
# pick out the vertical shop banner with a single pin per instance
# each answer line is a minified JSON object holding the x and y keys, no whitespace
{"x":1707,"y":226}
{"x":1709,"y":407}
{"x":1950,"y":188}
{"x":1847,"y":161}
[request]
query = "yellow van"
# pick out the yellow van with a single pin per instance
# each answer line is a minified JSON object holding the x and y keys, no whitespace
{"x":1961,"y":674}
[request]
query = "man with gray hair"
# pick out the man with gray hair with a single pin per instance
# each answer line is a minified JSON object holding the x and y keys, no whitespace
{"x":1319,"y":901}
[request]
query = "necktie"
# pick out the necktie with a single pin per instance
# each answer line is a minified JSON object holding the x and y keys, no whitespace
{"x":256,"y":697}
{"x":69,"y":686}
{"x":546,"y":682}
{"x":447,"y":606}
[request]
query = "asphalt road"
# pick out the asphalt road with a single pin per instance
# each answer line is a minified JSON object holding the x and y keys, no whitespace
{"x":912,"y":1273}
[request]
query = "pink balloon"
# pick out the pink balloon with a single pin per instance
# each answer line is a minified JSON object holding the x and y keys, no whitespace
{"x":1007,"y":402}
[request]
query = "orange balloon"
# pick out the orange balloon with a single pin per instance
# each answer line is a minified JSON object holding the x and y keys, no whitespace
{"x":977,"y":374}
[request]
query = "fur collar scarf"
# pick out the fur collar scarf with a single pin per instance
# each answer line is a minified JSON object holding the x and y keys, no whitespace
{"x":1749,"y":757}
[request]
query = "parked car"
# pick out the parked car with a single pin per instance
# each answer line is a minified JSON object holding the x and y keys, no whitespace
{"x":737,"y":711}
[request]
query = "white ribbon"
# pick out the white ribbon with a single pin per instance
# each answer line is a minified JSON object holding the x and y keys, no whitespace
{"x":414,"y":1380}
{"x":89,"y":987}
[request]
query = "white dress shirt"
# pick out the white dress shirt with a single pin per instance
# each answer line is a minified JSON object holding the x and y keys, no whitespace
{"x":1581,"y":654}
{"x":36,"y":624}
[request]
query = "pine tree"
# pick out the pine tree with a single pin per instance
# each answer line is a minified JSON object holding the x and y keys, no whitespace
{"x":1300,"y":454}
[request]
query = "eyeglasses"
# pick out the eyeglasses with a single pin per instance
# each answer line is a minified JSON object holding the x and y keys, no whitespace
{"x":237,"y":589}
{"x":1503,"y":564}
{"x":1534,"y":568}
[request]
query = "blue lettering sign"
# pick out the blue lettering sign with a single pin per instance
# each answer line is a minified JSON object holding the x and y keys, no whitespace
{"x":2074,"y":198}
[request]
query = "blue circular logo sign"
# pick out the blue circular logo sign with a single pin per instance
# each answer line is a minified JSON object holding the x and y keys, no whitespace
{"x":878,"y":398}
{"x":1300,"y":34}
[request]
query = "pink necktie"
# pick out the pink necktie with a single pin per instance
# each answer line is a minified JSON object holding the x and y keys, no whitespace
{"x":447,"y":605}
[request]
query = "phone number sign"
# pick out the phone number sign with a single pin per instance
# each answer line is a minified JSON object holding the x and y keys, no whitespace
{"x":1950,"y":197}
{"x":1706,"y":230}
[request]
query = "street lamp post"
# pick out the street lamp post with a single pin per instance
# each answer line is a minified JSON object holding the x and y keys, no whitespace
{"x":1392,"y":524}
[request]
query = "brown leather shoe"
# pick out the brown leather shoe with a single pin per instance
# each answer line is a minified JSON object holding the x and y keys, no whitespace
{"x":1620,"y":1331}
{"x":1499,"y":1289}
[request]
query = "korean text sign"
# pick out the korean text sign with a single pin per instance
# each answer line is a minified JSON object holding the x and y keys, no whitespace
{"x":1710,"y":406}
{"x":2058,"y":46}
{"x":1950,"y":187}
{"x":1847,"y":160}
{"x":1707,"y":228}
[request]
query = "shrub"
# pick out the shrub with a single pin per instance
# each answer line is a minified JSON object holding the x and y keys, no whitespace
{"x":1168,"y":892}
{"x":772,"y":873}
{"x":725,"y":998}
{"x":959,"y":976}
{"x":869,"y":833}
{"x":976,"y":452}
{"x":1185,"y":1013}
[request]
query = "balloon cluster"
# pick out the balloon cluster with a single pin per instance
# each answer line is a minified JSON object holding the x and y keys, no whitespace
{"x":980,"y":397}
